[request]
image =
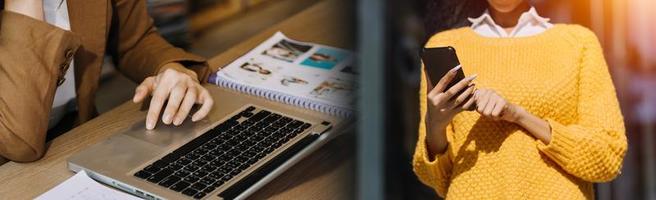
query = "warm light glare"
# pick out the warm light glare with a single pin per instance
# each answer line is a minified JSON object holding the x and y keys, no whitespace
{"x":642,"y":26}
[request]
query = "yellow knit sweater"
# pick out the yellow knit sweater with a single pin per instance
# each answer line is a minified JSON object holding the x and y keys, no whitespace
{"x":559,"y":75}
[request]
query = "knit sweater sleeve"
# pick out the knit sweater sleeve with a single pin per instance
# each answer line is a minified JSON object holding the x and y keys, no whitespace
{"x":594,"y":146}
{"x":432,"y":171}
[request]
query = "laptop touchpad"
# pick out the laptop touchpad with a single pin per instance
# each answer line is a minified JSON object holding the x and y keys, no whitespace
{"x":166,"y":135}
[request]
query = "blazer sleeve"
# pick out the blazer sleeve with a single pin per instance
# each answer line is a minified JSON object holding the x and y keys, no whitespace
{"x":432,"y":171}
{"x":139,"y":50}
{"x":34,"y":56}
{"x":593,"y":148}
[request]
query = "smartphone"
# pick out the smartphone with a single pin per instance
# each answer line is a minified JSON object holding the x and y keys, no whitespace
{"x":437,"y":63}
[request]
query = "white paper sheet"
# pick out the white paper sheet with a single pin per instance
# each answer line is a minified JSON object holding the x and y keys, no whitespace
{"x":82,"y":187}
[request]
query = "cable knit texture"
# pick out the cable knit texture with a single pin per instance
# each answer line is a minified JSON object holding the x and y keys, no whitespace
{"x":559,"y":75}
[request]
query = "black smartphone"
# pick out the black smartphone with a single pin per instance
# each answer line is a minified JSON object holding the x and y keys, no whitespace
{"x":438,"y":61}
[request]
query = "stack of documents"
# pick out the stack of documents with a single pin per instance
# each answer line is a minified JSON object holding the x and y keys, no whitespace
{"x":82,"y":187}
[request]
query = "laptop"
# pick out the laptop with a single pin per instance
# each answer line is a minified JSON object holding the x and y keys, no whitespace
{"x":244,"y":143}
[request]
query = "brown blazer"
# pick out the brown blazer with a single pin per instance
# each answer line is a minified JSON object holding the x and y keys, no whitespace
{"x":35,"y":55}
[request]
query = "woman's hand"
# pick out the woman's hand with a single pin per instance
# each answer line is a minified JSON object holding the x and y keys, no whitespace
{"x":492,"y":105}
{"x":443,"y":105}
{"x":182,"y":89}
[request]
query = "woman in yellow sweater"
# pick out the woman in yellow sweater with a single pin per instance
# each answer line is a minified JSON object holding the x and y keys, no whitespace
{"x":545,"y":122}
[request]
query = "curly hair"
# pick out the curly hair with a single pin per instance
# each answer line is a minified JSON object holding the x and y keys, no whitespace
{"x":443,"y":15}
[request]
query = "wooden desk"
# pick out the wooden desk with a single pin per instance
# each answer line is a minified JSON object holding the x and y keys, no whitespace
{"x":326,"y":174}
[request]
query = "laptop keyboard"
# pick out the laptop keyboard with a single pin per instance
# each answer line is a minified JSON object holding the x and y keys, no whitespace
{"x":215,"y":157}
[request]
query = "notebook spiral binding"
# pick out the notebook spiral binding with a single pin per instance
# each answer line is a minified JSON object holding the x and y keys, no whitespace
{"x":282,"y":97}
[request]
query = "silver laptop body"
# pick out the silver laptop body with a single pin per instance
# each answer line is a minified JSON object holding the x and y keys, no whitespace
{"x":115,"y":160}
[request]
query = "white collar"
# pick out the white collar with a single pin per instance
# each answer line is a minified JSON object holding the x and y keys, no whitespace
{"x":529,"y":23}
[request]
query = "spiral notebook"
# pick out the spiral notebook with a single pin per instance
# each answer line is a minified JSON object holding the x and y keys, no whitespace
{"x":302,"y":74}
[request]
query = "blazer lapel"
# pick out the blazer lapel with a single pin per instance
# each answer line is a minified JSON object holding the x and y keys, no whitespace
{"x":88,"y":19}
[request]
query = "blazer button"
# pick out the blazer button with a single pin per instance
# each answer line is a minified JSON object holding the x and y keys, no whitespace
{"x":61,"y":81}
{"x":69,"y":53}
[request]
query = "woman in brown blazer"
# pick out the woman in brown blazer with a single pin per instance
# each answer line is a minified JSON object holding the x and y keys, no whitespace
{"x":35,"y":55}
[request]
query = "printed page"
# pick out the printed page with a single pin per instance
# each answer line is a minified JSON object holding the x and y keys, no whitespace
{"x":82,"y":187}
{"x":316,"y":72}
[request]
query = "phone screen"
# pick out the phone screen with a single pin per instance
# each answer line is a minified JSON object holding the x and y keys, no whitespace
{"x":438,"y":61}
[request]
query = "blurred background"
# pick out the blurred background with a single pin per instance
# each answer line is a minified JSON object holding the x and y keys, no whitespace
{"x":627,"y":32}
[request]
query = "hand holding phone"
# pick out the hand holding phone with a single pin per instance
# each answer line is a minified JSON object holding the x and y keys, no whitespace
{"x":451,"y":92}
